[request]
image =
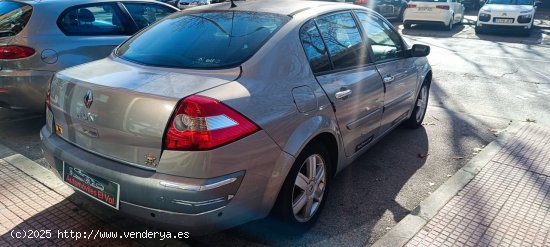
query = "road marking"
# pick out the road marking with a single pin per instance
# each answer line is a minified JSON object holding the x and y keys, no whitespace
{"x":541,"y":73}
{"x":475,"y":54}
{"x":502,"y":57}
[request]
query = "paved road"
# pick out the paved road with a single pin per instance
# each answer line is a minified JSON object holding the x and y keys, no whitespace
{"x":481,"y":84}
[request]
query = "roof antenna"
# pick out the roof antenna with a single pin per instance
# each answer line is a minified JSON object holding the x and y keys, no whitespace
{"x":233,"y":5}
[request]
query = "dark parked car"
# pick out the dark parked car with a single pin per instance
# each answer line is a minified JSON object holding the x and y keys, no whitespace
{"x":473,"y":4}
{"x":391,"y":9}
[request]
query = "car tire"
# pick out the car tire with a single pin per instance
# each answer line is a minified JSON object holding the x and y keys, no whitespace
{"x":407,"y":25}
{"x":308,"y":199}
{"x":478,"y":30}
{"x":451,"y":24}
{"x":420,"y":107}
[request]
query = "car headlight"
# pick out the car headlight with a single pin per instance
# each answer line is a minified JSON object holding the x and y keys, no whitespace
{"x":526,"y":16}
{"x":484,"y":14}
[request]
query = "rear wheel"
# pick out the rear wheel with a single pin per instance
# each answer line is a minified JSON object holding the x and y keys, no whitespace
{"x":451,"y":24}
{"x":419,"y":110}
{"x":304,"y":191}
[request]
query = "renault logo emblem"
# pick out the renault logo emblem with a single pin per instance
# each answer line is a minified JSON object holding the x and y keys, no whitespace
{"x":88,"y":99}
{"x":504,"y":14}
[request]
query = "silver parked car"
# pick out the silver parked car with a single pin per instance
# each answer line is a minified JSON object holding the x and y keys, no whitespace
{"x":219,"y":116}
{"x":38,"y":38}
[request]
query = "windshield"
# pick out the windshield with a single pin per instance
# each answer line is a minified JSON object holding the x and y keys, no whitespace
{"x":202,"y":40}
{"x":511,"y":2}
{"x":13,"y":17}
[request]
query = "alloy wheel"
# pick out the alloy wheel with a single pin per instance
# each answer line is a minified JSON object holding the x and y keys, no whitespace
{"x":309,"y":188}
{"x":422,"y":103}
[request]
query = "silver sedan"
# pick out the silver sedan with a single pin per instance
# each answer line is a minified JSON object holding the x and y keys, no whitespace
{"x":38,"y":38}
{"x":219,"y":116}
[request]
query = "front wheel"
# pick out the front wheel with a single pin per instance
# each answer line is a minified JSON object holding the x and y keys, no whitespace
{"x":401,"y":14}
{"x":419,"y":110}
{"x":304,"y":191}
{"x":478,"y":30}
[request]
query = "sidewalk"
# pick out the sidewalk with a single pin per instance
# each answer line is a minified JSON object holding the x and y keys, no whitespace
{"x":33,"y":201}
{"x":506,"y":204}
{"x":542,"y":18}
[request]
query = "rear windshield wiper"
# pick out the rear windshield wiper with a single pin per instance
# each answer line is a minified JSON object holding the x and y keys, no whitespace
{"x":7,"y":33}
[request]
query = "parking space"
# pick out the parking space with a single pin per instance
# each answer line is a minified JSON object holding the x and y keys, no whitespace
{"x":466,"y":31}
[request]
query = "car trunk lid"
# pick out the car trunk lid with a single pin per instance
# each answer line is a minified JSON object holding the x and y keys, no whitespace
{"x":121,"y":110}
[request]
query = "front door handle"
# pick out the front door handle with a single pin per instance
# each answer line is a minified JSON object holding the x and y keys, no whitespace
{"x":342,"y":94}
{"x":389,"y":79}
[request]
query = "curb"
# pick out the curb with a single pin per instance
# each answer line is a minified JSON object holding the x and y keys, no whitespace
{"x":50,"y":180}
{"x":407,"y":228}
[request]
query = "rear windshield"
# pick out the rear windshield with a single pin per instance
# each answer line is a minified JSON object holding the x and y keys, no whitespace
{"x":13,"y":17}
{"x":202,"y":40}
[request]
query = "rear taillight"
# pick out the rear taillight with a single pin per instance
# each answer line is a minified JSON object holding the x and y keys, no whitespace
{"x":361,"y":1}
{"x":15,"y":52}
{"x":411,"y":5}
{"x":202,"y":123}
{"x":445,"y":7}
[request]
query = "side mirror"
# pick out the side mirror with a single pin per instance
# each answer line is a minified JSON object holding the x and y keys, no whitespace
{"x":419,"y":51}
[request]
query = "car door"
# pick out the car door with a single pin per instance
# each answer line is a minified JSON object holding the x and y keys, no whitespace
{"x":340,"y":60}
{"x":455,"y":8}
{"x":90,"y":32}
{"x":385,"y":7}
{"x":398,"y":72}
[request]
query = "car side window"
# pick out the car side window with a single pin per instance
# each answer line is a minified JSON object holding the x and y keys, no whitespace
{"x":343,"y":40}
{"x":146,"y":14}
{"x":314,"y":47}
{"x":92,"y":20}
{"x":385,"y":42}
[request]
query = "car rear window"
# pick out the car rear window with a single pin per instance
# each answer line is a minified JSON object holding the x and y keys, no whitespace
{"x":202,"y":40}
{"x":13,"y":17}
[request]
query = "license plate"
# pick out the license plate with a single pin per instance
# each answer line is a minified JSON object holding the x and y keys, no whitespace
{"x":504,"y":20}
{"x":96,"y":187}
{"x":424,"y":9}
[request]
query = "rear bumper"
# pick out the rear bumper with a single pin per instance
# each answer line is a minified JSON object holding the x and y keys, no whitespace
{"x":437,"y":17}
{"x":24,"y":89}
{"x":144,"y":196}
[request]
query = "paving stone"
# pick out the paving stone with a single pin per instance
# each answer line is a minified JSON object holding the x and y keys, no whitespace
{"x":27,"y":205}
{"x":506,"y":204}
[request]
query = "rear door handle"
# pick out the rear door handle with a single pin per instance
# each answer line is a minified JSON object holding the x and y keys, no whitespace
{"x":342,"y":94}
{"x":389,"y":79}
